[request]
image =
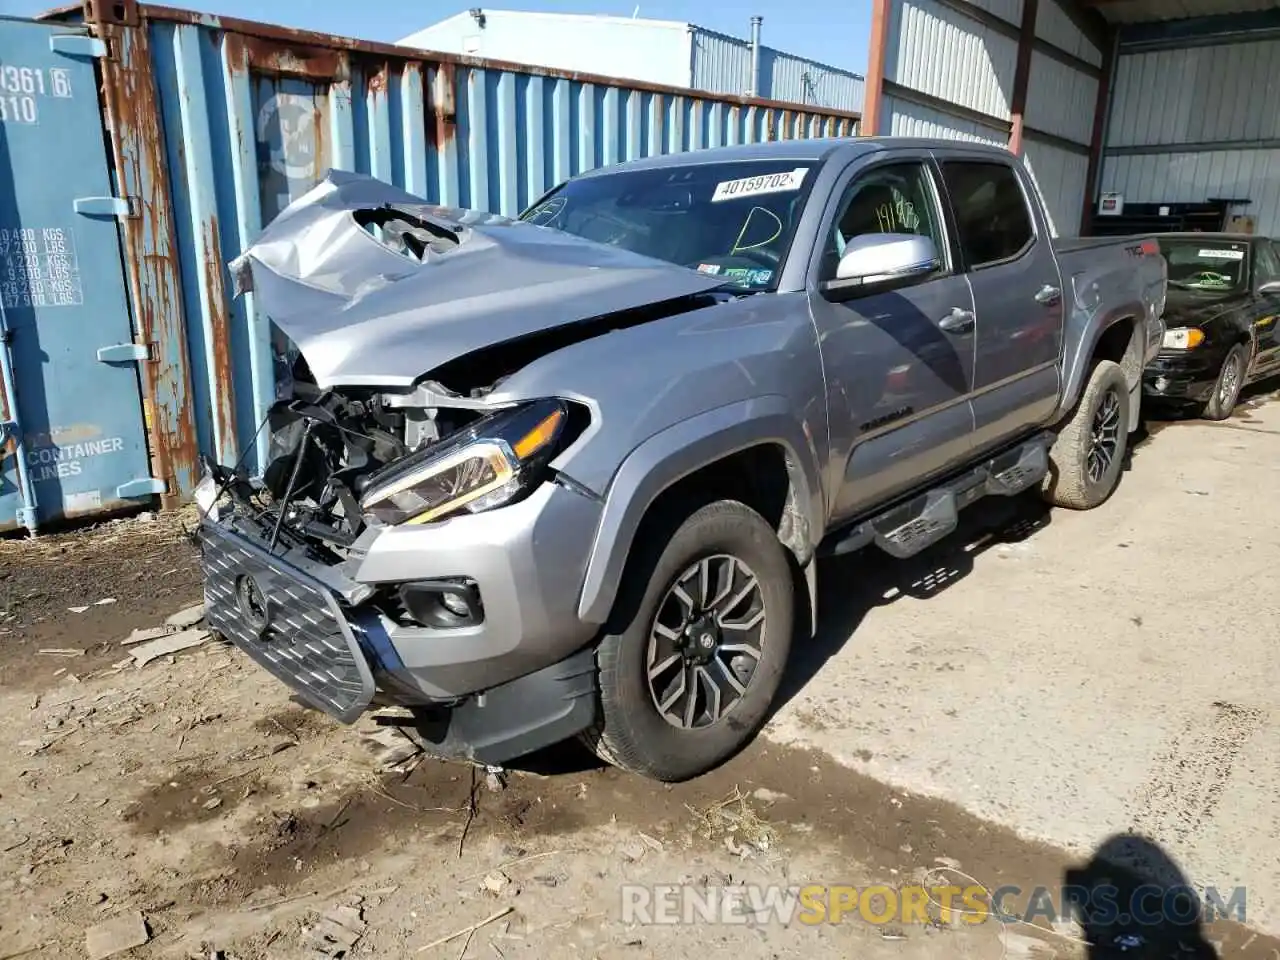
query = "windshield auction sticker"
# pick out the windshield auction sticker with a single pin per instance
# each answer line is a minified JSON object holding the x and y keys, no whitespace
{"x":1221,"y":254}
{"x":783,"y":182}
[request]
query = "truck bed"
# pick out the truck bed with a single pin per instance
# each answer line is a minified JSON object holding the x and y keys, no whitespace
{"x":1075,"y":244}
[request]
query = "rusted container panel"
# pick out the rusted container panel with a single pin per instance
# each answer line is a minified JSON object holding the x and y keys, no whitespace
{"x":72,"y":436}
{"x":238,"y":118}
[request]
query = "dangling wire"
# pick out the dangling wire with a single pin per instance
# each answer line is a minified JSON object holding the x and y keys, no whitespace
{"x":293,"y":479}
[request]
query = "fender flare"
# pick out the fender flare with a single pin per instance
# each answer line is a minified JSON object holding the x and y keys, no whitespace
{"x":676,"y":452}
{"x":1078,"y":366}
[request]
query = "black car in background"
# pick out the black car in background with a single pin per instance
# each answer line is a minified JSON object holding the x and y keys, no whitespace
{"x":1220,"y":319}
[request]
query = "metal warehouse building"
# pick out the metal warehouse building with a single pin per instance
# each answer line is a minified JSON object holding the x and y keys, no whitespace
{"x":666,"y":52}
{"x":1133,"y":115}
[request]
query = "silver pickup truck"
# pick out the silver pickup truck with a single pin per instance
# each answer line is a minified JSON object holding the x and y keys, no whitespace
{"x":570,"y":474}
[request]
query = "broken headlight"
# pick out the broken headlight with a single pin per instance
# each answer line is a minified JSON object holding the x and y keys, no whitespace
{"x":481,"y":467}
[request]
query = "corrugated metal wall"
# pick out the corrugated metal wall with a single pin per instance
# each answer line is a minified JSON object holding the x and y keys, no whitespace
{"x":1061,"y":176}
{"x":1055,"y":25}
{"x":1193,"y":123}
{"x":722,"y":64}
{"x":808,"y":82}
{"x":650,"y":51}
{"x":1199,"y":95}
{"x":216,"y":124}
{"x":938,"y":53}
{"x":909,"y":119}
{"x":951,"y":70}
{"x":1062,"y":98}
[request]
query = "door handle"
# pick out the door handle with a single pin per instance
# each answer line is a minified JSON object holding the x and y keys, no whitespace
{"x":958,"y":321}
{"x":1048,"y":294}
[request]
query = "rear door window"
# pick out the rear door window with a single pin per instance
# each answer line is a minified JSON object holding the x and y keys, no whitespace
{"x":992,"y":218}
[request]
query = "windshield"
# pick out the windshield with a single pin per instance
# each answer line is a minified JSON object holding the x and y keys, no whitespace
{"x":1216,"y":266}
{"x":733,"y":220}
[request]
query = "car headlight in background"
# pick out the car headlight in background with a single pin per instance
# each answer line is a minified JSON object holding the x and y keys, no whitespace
{"x":1183,"y":338}
{"x":479,"y":468}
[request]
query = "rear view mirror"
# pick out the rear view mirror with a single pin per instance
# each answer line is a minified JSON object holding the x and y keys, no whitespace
{"x":875,"y":258}
{"x":1271,"y":289}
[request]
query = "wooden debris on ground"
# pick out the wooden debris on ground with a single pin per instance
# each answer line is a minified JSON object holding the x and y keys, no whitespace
{"x":186,"y":618}
{"x":120,"y":933}
{"x":168,"y":644}
{"x":142,"y":635}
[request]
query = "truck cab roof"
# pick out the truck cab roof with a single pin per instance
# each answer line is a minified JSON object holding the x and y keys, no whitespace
{"x":814,"y":151}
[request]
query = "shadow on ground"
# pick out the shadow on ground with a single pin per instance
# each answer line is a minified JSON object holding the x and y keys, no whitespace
{"x":850,"y":587}
{"x":1132,"y":901}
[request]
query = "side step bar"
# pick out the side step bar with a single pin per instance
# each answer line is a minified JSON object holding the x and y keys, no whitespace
{"x":906,"y":529}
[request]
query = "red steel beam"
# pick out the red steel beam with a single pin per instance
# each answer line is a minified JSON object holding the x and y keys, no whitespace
{"x":873,"y":91}
{"x":1022,"y":75}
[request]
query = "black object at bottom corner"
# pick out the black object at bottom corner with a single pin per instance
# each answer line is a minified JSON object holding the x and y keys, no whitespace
{"x":517,"y":718}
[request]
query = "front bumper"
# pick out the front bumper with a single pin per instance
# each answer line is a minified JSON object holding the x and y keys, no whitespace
{"x":521,"y":679}
{"x":1181,"y":377}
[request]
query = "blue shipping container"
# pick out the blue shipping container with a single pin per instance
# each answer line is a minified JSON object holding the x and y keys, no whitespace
{"x":72,"y":441}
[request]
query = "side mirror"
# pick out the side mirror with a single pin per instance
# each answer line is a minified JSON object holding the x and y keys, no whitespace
{"x":870,"y":259}
{"x":1270,"y":289}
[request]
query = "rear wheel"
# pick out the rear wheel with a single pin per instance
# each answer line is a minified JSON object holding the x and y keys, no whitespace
{"x":1087,"y":456}
{"x":1226,"y":391}
{"x":702,"y":631}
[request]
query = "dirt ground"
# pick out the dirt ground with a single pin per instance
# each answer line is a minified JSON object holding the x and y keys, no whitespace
{"x":194,"y":793}
{"x":1073,"y":675}
{"x":142,"y":567}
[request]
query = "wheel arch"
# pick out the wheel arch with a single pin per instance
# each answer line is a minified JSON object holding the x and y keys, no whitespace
{"x":755,"y":449}
{"x":1118,"y":336}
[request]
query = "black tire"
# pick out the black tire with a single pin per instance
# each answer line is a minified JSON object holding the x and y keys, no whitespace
{"x":1070,"y":482}
{"x":632,"y":733}
{"x":1226,"y":393}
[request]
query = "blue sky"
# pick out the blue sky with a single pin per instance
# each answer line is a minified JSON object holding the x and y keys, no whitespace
{"x":829,"y":31}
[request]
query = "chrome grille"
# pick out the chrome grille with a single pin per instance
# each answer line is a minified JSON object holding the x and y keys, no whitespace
{"x":292,"y":626}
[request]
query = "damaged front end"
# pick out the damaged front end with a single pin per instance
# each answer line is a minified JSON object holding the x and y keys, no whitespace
{"x":317,"y":570}
{"x":410,"y":540}
{"x":343,"y":463}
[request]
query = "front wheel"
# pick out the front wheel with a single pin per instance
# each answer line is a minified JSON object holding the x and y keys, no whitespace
{"x":1087,"y":456}
{"x":689,"y":671}
{"x":1226,"y":390}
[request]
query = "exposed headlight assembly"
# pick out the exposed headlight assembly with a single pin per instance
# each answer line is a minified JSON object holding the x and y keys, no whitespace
{"x":479,"y":468}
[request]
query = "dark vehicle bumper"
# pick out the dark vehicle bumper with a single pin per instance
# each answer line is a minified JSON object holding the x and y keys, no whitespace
{"x":334,"y":657}
{"x":1182,"y":378}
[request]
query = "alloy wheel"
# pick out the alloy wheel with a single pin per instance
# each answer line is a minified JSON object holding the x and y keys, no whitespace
{"x":1104,"y":436}
{"x":1229,"y":385}
{"x":705,"y":642}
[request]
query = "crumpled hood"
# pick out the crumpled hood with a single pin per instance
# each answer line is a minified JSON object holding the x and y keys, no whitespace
{"x":365,"y":314}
